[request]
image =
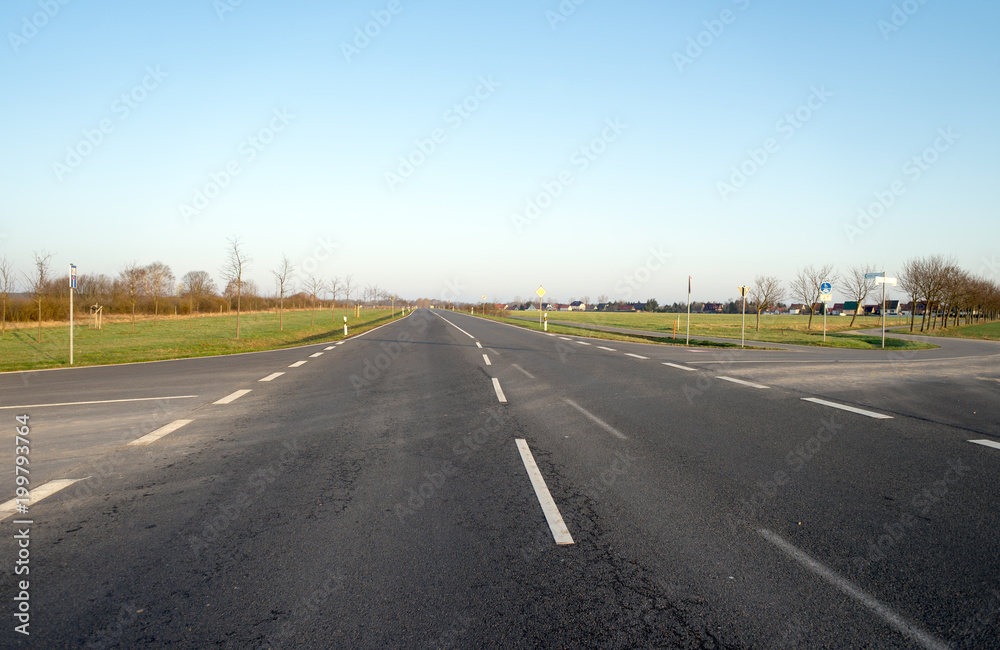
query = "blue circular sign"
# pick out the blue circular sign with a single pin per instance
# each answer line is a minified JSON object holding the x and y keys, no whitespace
{"x":826,"y":287}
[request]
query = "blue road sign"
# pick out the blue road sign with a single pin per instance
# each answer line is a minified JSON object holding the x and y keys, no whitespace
{"x":826,"y":287}
{"x":72,"y":276}
{"x":869,"y":276}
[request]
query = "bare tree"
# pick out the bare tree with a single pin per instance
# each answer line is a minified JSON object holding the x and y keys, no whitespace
{"x":348,"y":285}
{"x":38,"y":282}
{"x":8,"y":284}
{"x":925,"y":277}
{"x":197,"y":285}
{"x":157,"y":281}
{"x":857,"y":286}
{"x":237,"y":262}
{"x":765,"y":293}
{"x":130,"y":279}
{"x":806,"y":285}
{"x":314,"y":286}
{"x":281,"y":277}
{"x":334,"y":286}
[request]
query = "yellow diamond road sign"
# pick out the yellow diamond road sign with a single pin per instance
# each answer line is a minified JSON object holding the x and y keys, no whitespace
{"x":540,"y":292}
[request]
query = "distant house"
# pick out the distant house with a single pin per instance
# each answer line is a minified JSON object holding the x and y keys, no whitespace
{"x":713,"y":308}
{"x":837,"y":309}
{"x":561,"y":307}
{"x":797,"y":308}
{"x":577,"y":305}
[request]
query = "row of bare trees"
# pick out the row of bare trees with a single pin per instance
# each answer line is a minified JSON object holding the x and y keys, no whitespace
{"x":948,"y":292}
{"x":935,"y":283}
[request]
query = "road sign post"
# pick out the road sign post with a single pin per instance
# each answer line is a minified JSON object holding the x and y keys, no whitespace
{"x":687,"y":337}
{"x":825,"y":297}
{"x":72,"y":286}
{"x":743,"y":323}
{"x":881,"y":279}
{"x":541,"y":292}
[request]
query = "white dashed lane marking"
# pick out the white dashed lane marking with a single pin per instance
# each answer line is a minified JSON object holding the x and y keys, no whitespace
{"x":159,"y":433}
{"x":559,"y":531}
{"x":499,"y":391}
{"x":272,"y":376}
{"x":232,"y":397}
{"x":678,"y":366}
{"x":596,"y":420}
{"x":37,"y":494}
{"x":845,"y":407}
{"x":740,"y":381}
{"x":635,"y":356}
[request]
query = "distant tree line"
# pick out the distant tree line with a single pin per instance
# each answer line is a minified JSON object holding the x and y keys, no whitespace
{"x":153,"y":290}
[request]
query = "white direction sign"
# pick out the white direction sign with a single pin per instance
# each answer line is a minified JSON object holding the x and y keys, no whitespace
{"x":882,"y":280}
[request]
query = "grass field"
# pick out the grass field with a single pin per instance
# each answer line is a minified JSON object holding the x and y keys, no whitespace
{"x":172,"y":338}
{"x":556,"y":328}
{"x":773,"y":329}
{"x":982,"y":332}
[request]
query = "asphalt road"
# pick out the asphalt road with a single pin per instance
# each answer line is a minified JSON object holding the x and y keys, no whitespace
{"x":376,"y":496}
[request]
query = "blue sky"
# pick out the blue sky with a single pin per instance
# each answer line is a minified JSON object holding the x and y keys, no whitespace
{"x":594,"y":148}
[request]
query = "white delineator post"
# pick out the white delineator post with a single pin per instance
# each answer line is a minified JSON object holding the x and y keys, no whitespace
{"x":345,"y":325}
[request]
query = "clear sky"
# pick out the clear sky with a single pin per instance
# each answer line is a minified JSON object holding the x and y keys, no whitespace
{"x":467,"y":148}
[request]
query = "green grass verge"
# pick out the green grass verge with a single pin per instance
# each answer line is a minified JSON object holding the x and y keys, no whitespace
{"x":175,"y":338}
{"x":981,"y":332}
{"x":556,"y":328}
{"x":792,"y":330}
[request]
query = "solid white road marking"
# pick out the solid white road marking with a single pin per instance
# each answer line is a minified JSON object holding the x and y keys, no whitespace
{"x":479,"y":345}
{"x":297,"y":364}
{"x":604,"y":425}
{"x":487,"y":360}
{"x":159,"y":433}
{"x":740,"y":381}
{"x":559,"y":531}
{"x":37,"y":494}
{"x":455,"y":326}
{"x":232,"y":397}
{"x":499,"y":391}
{"x":103,"y":401}
{"x":892,"y":618}
{"x":678,"y":366}
{"x":845,"y":407}
{"x":601,"y":347}
{"x":330,"y":348}
{"x":313,"y":356}
{"x":528,"y":374}
{"x":272,"y":376}
{"x":987,"y":443}
{"x":637,"y":356}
